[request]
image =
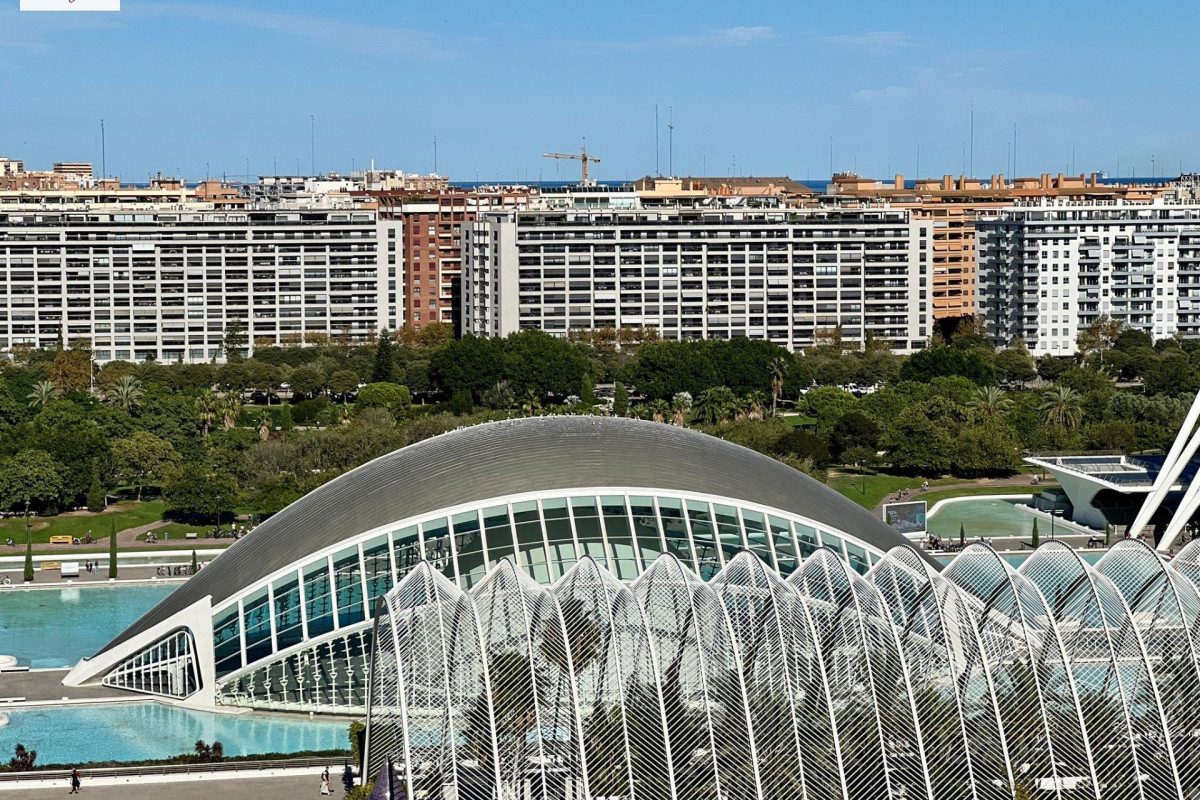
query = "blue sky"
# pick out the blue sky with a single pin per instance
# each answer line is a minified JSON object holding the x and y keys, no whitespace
{"x":760,"y":88}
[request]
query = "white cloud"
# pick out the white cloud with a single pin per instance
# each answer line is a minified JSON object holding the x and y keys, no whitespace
{"x":886,"y":93}
{"x":351,"y":37}
{"x":737,"y":36}
{"x":877,"y":41}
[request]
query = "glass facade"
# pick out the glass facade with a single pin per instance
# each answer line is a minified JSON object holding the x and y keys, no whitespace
{"x":545,"y":537}
{"x":167,"y":668}
{"x":1060,"y":679}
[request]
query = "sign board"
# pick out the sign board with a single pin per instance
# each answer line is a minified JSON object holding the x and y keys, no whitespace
{"x":906,"y":519}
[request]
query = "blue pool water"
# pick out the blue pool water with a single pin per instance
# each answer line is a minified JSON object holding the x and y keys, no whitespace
{"x":139,"y":731}
{"x":46,"y":628}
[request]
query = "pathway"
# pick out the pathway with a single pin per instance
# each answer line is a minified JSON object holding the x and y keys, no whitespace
{"x":216,"y":786}
{"x":1022,"y":480}
{"x":45,"y":686}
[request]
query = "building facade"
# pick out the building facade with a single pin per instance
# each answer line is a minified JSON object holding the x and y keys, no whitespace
{"x":1047,"y":271}
{"x":697,"y":271}
{"x":136,"y":281}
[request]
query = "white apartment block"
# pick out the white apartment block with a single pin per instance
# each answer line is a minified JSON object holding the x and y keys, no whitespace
{"x":708,"y":270}
{"x":1045,"y":272}
{"x":164,"y":281}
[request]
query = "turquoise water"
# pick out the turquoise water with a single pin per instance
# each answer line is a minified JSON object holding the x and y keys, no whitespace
{"x":46,"y":628}
{"x":139,"y":731}
{"x":986,"y":518}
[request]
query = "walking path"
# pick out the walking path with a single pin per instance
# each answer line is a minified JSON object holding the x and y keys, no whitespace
{"x":1023,"y":481}
{"x":44,"y":686}
{"x":285,"y":784}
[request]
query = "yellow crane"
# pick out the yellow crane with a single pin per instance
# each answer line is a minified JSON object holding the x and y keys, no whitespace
{"x":583,"y":156}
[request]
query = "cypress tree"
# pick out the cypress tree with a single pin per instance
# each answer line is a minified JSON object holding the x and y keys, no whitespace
{"x":1108,"y":529}
{"x":962,"y":534}
{"x":620,"y":400}
{"x":381,"y":370}
{"x":587,"y":393}
{"x":112,"y":549}
{"x":1036,"y":538}
{"x":95,"y":495}
{"x":28,"y":553}
{"x":195,"y":563}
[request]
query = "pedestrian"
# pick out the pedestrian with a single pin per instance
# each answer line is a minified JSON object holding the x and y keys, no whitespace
{"x":75,"y":781}
{"x":325,"y":781}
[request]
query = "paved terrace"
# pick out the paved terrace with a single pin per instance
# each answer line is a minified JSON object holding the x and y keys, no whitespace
{"x":45,"y":686}
{"x":286,"y":784}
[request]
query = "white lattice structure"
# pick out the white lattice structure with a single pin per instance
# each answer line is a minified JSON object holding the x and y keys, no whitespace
{"x":1058,"y":679}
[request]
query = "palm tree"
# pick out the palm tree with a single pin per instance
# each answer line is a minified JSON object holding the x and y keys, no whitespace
{"x":990,"y":401}
{"x":754,"y":405}
{"x":231,"y":409}
{"x":778,"y":373}
{"x":1061,"y":407}
{"x":715,"y":405}
{"x":530,"y":402}
{"x":264,"y":423}
{"x":659,"y":410}
{"x":127,"y":393}
{"x":681,"y":404}
{"x":209,"y":406}
{"x":44,"y":393}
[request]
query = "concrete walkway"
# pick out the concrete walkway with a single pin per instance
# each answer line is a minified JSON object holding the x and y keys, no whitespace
{"x":289,"y":785}
{"x":1022,"y":481}
{"x":45,"y":686}
{"x":51,"y":576}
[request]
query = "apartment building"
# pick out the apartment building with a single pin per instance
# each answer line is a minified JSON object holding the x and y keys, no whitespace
{"x":10,"y":167}
{"x":163,"y":281}
{"x":702,"y":270}
{"x":954,"y":204}
{"x":431,"y":245}
{"x":1048,"y":270}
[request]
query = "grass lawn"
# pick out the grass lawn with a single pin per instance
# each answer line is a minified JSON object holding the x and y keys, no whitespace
{"x":879,"y":486}
{"x":933,"y":497}
{"x":78,"y":523}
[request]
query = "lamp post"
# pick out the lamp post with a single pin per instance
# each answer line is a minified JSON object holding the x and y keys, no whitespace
{"x":217,"y":509}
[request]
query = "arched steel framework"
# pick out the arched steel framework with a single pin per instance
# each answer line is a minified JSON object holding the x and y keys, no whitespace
{"x":1061,"y":679}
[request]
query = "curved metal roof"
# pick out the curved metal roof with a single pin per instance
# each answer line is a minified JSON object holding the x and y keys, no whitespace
{"x":498,"y":459}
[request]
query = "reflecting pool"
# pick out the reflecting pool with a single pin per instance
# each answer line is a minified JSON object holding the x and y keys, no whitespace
{"x":46,"y":628}
{"x":989,"y":518}
{"x":150,"y":730}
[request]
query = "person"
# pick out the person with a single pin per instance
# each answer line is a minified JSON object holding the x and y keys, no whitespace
{"x":75,"y":781}
{"x":325,"y":781}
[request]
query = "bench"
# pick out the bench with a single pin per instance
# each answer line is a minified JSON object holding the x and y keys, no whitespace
{"x":191,"y":535}
{"x":50,"y":565}
{"x":62,"y":540}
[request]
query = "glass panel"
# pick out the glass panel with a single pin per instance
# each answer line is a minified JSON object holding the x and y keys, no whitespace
{"x":833,"y":542}
{"x":407,"y":545}
{"x":756,"y":535}
{"x":729,"y":529}
{"x":704,"y":535}
{"x":437,"y":547}
{"x":623,"y":555}
{"x":807,"y":537}
{"x":348,"y":575}
{"x":256,"y":619}
{"x":559,"y":535}
{"x":587,"y":529}
{"x":379,"y":570}
{"x":675,"y":530}
{"x":531,"y":550}
{"x":318,"y":602}
{"x":469,"y":546}
{"x":285,"y":594}
{"x":227,"y":640}
{"x":645,"y":528}
{"x":785,"y":547}
{"x":499,"y":534}
{"x":857,"y":556}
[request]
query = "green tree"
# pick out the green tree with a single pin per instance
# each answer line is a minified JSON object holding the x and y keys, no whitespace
{"x":30,"y":477}
{"x":461,"y":402}
{"x":587,"y":392}
{"x":112,"y":548}
{"x":43,"y":393}
{"x":127,"y":394}
{"x":28,"y":576}
{"x":196,"y":490}
{"x":925,"y":365}
{"x":990,"y":401}
{"x":1037,"y":539}
{"x":233,"y":345}
{"x":620,"y":400}
{"x":498,"y":396}
{"x":208,"y":406}
{"x":95,"y":496}
{"x":1098,"y":338}
{"x":1061,"y":407}
{"x":394,"y":398}
{"x":71,"y":370}
{"x":779,"y":369}
{"x":144,"y":458}
{"x":195,"y":563}
{"x":306,"y":380}
{"x":854,"y":430}
{"x":715,"y":405}
{"x":1015,"y":365}
{"x":384,"y":363}
{"x":663,"y":369}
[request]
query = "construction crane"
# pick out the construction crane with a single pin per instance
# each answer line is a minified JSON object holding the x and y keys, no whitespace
{"x":583,"y":156}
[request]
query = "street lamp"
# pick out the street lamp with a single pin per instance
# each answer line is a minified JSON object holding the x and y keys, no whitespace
{"x":217,"y":509}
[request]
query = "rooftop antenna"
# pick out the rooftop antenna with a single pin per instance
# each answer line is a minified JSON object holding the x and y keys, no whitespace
{"x":435,"y":154}
{"x":312,"y":143}
{"x":1014,"y":150}
{"x":671,"y":141}
{"x":103,"y":153}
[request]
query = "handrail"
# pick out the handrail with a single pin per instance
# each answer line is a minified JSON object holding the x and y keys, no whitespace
{"x":199,"y":767}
